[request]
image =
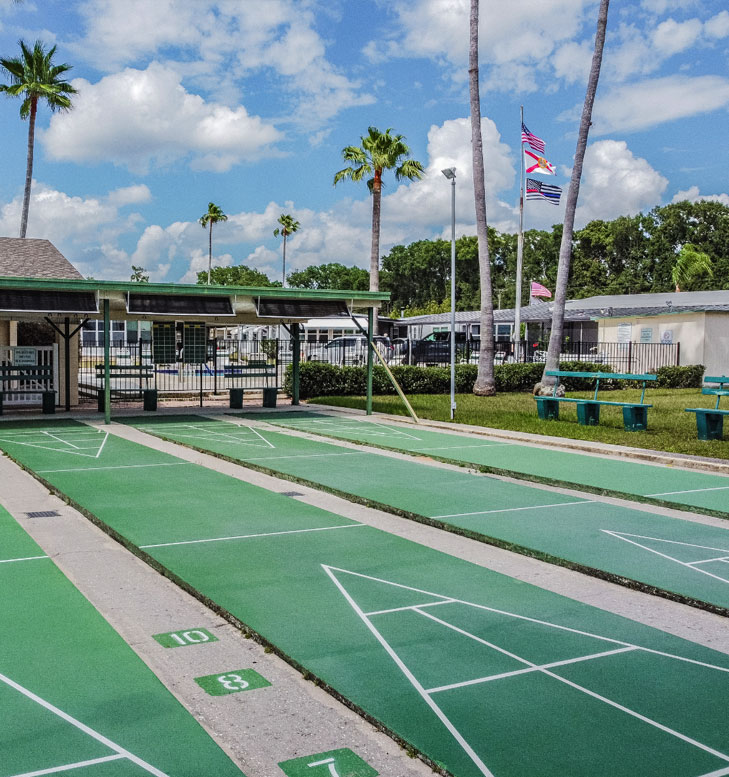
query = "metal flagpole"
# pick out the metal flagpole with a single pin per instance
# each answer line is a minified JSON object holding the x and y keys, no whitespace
{"x":516,"y":337}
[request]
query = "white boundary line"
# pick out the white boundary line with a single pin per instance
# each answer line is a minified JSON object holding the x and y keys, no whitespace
{"x":463,"y":447}
{"x":424,"y":694}
{"x":348,"y":426}
{"x":206,"y":432}
{"x":27,"y":558}
{"x":252,"y":536}
{"x":83,"y":727}
{"x":691,"y":491}
{"x":120,"y":466}
{"x":77,"y":452}
{"x":68,"y":767}
{"x":688,"y":565}
{"x":410,"y":607}
{"x":515,"y":509}
{"x":480,"y":765}
{"x":344,"y":452}
{"x":533,"y":668}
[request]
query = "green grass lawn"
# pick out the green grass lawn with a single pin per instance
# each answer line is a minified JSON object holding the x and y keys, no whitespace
{"x":669,"y":427}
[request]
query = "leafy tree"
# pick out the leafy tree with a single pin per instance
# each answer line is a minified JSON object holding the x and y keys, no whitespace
{"x":239,"y":275}
{"x":34,"y":78}
{"x":139,"y":275}
{"x":330,"y":276}
{"x":289,"y":225}
{"x":379,"y":151}
{"x":485,"y":384}
{"x":565,"y":249}
{"x":690,"y":263}
{"x":213,"y":216}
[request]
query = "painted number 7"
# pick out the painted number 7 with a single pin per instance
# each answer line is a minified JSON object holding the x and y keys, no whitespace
{"x":332,"y":768}
{"x":232,"y":682}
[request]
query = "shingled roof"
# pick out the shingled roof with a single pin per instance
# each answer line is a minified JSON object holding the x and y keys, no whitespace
{"x":33,"y":258}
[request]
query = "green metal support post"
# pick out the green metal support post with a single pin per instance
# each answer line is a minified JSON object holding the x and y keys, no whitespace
{"x":296,"y":341}
{"x":107,"y":371}
{"x":370,"y":358}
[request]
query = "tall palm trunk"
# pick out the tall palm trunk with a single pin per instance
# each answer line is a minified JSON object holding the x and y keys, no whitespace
{"x":375,"y":250}
{"x":283,"y":269}
{"x":565,"y":249}
{"x":210,"y":250}
{"x":29,"y":166}
{"x":484,"y":385}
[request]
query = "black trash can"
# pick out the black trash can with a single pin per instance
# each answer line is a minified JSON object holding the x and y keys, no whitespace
{"x":269,"y":397}
{"x":100,"y":400}
{"x":236,"y":398}
{"x":49,"y":402}
{"x":150,"y":399}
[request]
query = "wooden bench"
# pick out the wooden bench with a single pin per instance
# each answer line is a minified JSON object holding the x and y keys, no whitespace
{"x":253,"y":368}
{"x":141,"y":374}
{"x":710,"y":420}
{"x":635,"y":414}
{"x":33,"y":379}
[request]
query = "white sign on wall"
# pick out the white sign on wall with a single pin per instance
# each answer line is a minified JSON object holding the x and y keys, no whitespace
{"x":667,"y":336}
{"x":625,"y":332}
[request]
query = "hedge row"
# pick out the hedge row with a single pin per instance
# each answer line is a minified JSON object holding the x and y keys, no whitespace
{"x":320,"y":380}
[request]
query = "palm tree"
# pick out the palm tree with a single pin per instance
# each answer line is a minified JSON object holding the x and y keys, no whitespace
{"x":484,"y":385}
{"x":378,"y":152}
{"x":34,"y":77}
{"x":565,"y":249}
{"x":690,"y":263}
{"x":213,"y":216}
{"x":289,"y":225}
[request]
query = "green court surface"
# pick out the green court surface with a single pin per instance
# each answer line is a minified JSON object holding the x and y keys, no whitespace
{"x":649,"y":482}
{"x":74,"y":697}
{"x":483,"y":674}
{"x":687,"y":559}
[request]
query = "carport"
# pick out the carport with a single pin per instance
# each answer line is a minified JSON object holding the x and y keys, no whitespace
{"x":68,"y":304}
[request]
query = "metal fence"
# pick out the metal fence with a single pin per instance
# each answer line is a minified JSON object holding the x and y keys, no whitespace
{"x":230,"y":364}
{"x":258,"y":364}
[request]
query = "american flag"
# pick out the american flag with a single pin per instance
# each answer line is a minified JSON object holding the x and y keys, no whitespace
{"x":536,"y":143}
{"x":537,"y":290}
{"x":536,"y":190}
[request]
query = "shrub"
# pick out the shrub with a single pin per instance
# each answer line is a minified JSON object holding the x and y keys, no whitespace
{"x":688,"y":376}
{"x":318,"y":379}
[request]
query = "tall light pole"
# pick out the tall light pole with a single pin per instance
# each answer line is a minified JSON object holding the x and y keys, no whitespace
{"x":450,"y":174}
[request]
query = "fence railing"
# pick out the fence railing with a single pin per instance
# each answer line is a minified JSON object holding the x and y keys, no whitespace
{"x":258,"y":364}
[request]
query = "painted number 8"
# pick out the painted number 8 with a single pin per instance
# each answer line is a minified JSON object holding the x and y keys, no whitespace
{"x":232,"y":682}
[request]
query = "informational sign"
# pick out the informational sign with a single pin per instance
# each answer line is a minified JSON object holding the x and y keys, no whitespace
{"x":24,"y":357}
{"x":175,"y":639}
{"x":646,"y":335}
{"x":667,"y":336}
{"x":163,"y":342}
{"x":625,"y":332}
{"x":334,"y":763}
{"x":232,"y":682}
{"x":194,"y":343}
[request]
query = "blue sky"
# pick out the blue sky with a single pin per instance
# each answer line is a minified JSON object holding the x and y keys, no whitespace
{"x":248,"y":103}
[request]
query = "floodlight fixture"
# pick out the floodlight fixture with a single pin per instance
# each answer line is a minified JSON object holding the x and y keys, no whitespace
{"x":449,"y":173}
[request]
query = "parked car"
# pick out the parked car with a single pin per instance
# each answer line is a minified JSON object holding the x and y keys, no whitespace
{"x":435,"y":348}
{"x":350,"y":350}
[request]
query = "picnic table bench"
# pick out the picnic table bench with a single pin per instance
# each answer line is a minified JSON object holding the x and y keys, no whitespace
{"x":136,"y":377}
{"x":253,"y":368}
{"x":635,"y":414}
{"x":33,"y":379}
{"x":710,"y":420}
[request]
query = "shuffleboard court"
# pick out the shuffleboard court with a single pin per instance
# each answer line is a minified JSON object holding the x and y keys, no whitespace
{"x":74,"y":697}
{"x":682,"y":558}
{"x":655,"y":483}
{"x":489,"y":677}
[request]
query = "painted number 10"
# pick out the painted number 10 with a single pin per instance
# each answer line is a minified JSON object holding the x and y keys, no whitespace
{"x":189,"y":637}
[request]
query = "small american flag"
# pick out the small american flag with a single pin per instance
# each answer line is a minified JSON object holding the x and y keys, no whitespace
{"x":536,"y":143}
{"x":536,"y":190}
{"x":538,"y":290}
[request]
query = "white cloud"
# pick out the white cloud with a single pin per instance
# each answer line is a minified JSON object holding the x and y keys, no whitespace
{"x":655,"y":101}
{"x":671,"y":37}
{"x":514,"y":36}
{"x":717,"y":26}
{"x":692,"y":195}
{"x":139,"y":117}
{"x":572,"y":62}
{"x":218,"y":44}
{"x":616,"y":183}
